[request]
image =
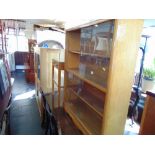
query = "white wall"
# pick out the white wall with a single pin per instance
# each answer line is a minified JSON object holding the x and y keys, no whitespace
{"x":50,"y":35}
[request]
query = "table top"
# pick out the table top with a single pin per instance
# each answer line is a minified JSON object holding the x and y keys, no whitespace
{"x":143,"y":94}
{"x":151,"y":93}
{"x":57,"y":61}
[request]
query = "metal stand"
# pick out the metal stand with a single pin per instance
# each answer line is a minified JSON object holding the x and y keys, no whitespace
{"x":137,"y":89}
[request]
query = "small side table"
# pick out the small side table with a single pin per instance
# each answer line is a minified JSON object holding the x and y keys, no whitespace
{"x":147,"y":126}
{"x":60,"y":66}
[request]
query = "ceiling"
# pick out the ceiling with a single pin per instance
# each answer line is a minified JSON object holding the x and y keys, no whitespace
{"x":61,"y":23}
{"x":46,"y":22}
{"x":57,"y":23}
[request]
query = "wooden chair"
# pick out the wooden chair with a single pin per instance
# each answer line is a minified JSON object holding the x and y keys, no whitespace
{"x":49,"y":122}
{"x":29,"y":68}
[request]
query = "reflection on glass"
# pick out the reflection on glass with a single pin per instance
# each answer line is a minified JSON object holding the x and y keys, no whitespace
{"x":96,"y":45}
{"x":80,"y":90}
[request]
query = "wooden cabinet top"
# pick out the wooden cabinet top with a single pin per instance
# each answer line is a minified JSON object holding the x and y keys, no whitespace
{"x":88,"y":24}
{"x":151,"y":93}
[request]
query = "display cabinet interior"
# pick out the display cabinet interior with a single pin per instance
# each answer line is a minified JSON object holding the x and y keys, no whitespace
{"x":94,"y":72}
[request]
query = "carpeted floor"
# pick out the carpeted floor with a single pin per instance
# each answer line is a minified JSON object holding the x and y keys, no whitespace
{"x":24,"y":114}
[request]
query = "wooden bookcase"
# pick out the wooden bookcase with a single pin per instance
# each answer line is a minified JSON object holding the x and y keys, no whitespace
{"x":43,"y":70}
{"x":99,"y":69}
{"x":43,"y":66}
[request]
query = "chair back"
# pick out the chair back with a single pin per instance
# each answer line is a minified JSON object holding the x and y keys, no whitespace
{"x":48,"y":118}
{"x":53,"y":129}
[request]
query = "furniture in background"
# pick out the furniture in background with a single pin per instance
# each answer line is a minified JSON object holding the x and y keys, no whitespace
{"x":48,"y":122}
{"x":6,"y":83}
{"x":25,"y":61}
{"x":29,"y":68}
{"x":147,"y":126}
{"x":31,"y":44}
{"x":3,"y":37}
{"x":11,"y":61}
{"x":57,"y":79}
{"x":136,"y":115}
{"x":99,"y":67}
{"x":20,"y":59}
{"x":137,"y":95}
{"x":5,"y":87}
{"x":43,"y":71}
{"x":5,"y":120}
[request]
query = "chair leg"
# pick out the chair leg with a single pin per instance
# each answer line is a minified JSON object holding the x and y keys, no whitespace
{"x":50,"y":128}
{"x":7,"y":123}
{"x":43,"y":120}
{"x":4,"y":128}
{"x":47,"y":127}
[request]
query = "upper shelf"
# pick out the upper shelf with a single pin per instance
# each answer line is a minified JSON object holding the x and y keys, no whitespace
{"x":96,"y":54}
{"x":76,"y":52}
{"x":96,"y":82}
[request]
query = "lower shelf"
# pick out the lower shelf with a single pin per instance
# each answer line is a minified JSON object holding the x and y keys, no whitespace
{"x":92,"y":101}
{"x":83,"y":118}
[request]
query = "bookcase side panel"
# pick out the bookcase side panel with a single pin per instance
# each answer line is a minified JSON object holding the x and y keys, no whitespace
{"x":126,"y":42}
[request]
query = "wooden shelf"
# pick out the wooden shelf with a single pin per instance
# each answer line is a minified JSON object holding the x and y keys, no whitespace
{"x":76,"y":52}
{"x":96,"y":55}
{"x":96,"y":83}
{"x":90,"y":54}
{"x":81,"y":118}
{"x":93,"y":102}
